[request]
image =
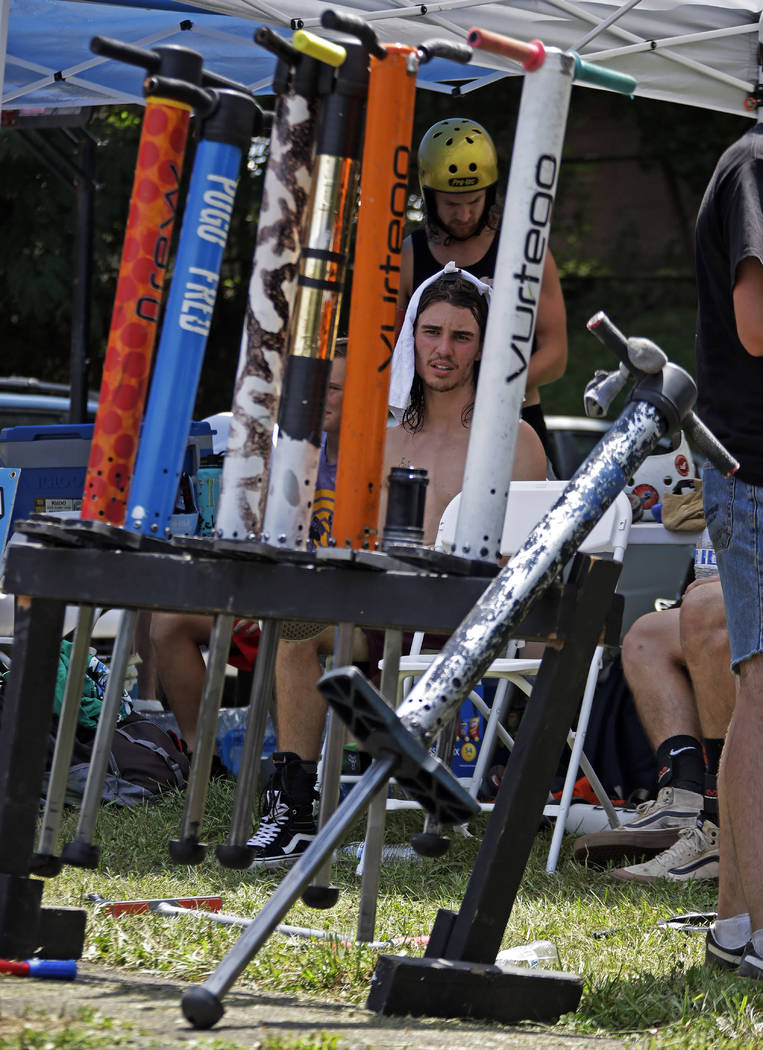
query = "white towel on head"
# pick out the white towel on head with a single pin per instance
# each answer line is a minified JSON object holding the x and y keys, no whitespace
{"x":403,"y":359}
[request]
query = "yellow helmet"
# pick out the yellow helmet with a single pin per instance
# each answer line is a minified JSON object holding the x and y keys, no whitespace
{"x":457,"y":154}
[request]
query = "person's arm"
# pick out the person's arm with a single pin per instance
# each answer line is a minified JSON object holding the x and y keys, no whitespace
{"x":405,"y":288}
{"x":549,"y":361}
{"x":748,"y":305}
{"x":530,"y":456}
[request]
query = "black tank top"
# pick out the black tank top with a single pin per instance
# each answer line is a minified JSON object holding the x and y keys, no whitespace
{"x":425,"y":265}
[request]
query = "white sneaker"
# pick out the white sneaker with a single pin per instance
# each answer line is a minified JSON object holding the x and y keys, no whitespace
{"x":694,"y":856}
{"x":654,"y":828}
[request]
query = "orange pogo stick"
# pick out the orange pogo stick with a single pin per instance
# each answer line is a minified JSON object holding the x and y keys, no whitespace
{"x":376,"y":277}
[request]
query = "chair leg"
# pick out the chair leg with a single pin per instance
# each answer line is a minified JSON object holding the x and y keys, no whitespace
{"x":494,"y":721}
{"x":576,"y":741}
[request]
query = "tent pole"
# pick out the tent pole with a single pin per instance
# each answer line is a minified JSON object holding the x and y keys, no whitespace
{"x":84,"y":188}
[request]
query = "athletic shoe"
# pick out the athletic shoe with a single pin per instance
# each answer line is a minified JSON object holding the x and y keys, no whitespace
{"x":654,"y":829}
{"x":287,"y":826}
{"x":751,"y":964}
{"x":720,"y":958}
{"x":694,"y":856}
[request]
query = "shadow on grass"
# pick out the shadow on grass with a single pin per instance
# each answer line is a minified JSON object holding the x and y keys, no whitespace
{"x":696,"y":996}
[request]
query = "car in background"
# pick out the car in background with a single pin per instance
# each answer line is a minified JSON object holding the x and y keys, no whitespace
{"x":572,"y":438}
{"x":26,"y":401}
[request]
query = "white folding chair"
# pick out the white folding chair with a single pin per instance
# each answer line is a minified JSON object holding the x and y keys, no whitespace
{"x":528,"y":502}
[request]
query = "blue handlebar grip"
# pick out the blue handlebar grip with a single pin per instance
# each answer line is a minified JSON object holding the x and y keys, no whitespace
{"x":60,"y":969}
{"x":606,"y":78}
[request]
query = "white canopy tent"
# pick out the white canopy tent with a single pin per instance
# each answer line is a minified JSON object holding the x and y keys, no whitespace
{"x":703,"y":53}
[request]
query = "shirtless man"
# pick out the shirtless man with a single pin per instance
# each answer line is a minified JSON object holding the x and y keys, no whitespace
{"x":458,"y":174}
{"x":443,"y":334}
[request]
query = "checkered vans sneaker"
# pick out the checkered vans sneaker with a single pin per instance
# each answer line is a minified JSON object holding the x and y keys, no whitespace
{"x":719,"y":958}
{"x":287,"y":826}
{"x":694,"y":856}
{"x":655,"y":828}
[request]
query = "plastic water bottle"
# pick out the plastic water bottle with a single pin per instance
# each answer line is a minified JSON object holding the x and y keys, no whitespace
{"x":536,"y":953}
{"x":354,"y":851}
{"x":704,"y":557}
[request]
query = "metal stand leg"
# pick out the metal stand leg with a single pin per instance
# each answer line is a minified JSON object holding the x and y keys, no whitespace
{"x":82,"y":852}
{"x":202,"y":1005}
{"x":321,"y":894}
{"x":187,"y":849}
{"x":471,"y":939}
{"x":45,"y":862}
{"x":377,"y":811}
{"x":25,"y":927}
{"x":236,"y":853}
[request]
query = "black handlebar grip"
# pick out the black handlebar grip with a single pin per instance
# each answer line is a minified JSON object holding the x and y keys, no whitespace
{"x":709,"y":445}
{"x":276,"y":45}
{"x":451,"y":50}
{"x":356,"y":26}
{"x":180,"y":90}
{"x":134,"y":56}
{"x":609,"y":334}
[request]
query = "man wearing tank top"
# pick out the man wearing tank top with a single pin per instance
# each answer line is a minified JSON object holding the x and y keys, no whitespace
{"x":458,"y":174}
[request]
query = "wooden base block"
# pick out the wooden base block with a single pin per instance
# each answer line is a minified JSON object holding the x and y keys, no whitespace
{"x":443,"y":988}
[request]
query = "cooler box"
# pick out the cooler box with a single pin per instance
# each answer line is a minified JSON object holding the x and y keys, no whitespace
{"x":52,"y":464}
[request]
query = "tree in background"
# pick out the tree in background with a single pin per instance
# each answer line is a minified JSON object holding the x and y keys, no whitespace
{"x":613,"y":251}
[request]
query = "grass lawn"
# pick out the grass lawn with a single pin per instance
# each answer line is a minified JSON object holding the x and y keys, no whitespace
{"x":640,"y":981}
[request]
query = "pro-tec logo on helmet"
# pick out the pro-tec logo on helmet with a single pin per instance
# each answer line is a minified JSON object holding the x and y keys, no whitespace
{"x":463,"y":181}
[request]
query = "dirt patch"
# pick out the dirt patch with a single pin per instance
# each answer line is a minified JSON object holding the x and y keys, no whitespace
{"x":147,"y":1012}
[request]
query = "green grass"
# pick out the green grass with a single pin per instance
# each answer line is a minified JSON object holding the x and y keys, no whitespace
{"x":640,"y":980}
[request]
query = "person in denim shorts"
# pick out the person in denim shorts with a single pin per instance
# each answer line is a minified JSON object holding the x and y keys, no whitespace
{"x":729,"y":261}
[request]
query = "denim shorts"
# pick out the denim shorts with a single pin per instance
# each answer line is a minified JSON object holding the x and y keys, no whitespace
{"x":734,"y":515}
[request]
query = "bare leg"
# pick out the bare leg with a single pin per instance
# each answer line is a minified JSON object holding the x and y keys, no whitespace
{"x":147,"y":677}
{"x":656,"y":672}
{"x":741,"y":783}
{"x":705,"y":646}
{"x":705,"y":643}
{"x":177,"y":641}
{"x":301,"y":710}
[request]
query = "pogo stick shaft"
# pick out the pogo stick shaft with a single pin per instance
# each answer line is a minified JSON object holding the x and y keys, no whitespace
{"x":272,"y":288}
{"x":323,"y":261}
{"x":226,"y":132}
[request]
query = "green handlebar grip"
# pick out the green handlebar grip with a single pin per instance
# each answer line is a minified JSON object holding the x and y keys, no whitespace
{"x":606,"y":78}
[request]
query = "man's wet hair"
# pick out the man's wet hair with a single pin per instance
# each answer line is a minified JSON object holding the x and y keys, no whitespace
{"x":458,"y":291}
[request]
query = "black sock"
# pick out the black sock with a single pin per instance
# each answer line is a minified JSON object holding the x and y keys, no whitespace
{"x":713,"y":750}
{"x":681,"y":764}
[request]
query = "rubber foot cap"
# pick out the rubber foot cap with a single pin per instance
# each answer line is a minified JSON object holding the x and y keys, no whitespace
{"x":238,"y":857}
{"x":201,"y":1007}
{"x":187,"y":851}
{"x":321,"y":896}
{"x":46,"y":865}
{"x":80,"y":854}
{"x":427,"y":844}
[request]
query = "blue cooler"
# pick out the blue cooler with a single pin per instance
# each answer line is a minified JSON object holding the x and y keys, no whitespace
{"x":52,"y":464}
